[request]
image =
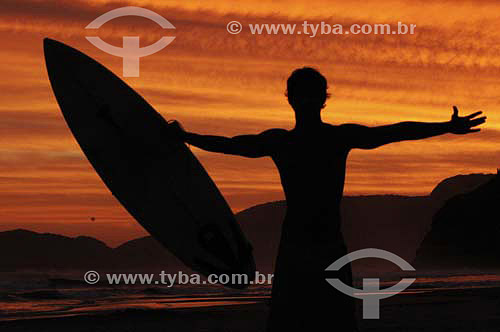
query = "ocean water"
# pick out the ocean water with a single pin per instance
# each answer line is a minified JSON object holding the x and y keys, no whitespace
{"x":26,"y":295}
{"x":35,"y":295}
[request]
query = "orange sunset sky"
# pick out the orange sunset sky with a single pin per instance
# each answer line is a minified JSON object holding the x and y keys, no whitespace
{"x":218,"y":83}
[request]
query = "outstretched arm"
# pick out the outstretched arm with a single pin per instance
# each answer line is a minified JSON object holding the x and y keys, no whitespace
{"x":251,"y":146}
{"x":363,"y":137}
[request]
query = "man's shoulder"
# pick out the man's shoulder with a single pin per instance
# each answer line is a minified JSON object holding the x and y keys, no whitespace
{"x":345,"y":127}
{"x":273,"y":137}
{"x":274,"y":132}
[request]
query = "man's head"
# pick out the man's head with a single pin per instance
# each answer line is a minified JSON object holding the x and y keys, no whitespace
{"x":306,"y":90}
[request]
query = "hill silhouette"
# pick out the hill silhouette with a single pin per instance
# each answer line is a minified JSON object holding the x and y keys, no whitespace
{"x":465,"y":231}
{"x":459,"y":184}
{"x":394,"y":223}
{"x":24,"y":249}
{"x":390,"y":222}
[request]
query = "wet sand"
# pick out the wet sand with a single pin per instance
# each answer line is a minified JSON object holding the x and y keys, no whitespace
{"x":241,"y":318}
{"x":442,"y":310}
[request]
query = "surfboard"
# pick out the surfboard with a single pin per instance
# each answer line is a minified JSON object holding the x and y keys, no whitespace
{"x":151,"y":173}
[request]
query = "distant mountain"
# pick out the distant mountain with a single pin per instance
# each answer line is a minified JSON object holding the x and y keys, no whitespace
{"x":394,"y":223}
{"x":262,"y":226}
{"x":459,"y":184}
{"x":23,"y":249}
{"x":465,"y":232}
{"x":147,"y":252}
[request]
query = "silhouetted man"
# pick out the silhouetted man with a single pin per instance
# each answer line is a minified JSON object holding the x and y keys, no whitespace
{"x":311,"y":159}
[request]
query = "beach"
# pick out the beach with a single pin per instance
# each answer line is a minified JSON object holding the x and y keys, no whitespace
{"x":433,"y":304}
{"x":244,"y":318}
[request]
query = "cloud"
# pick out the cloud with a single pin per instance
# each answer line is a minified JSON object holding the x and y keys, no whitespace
{"x":465,"y":42}
{"x":217,"y":83}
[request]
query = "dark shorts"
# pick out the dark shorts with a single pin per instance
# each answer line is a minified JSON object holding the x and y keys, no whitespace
{"x":302,"y":299}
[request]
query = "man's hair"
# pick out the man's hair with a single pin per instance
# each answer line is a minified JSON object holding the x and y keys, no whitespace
{"x":307,"y":82}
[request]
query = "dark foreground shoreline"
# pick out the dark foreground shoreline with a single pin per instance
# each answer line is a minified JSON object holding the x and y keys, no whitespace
{"x":241,"y":318}
{"x":469,"y":310}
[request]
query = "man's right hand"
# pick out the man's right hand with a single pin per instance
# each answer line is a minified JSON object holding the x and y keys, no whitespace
{"x":461,"y":125}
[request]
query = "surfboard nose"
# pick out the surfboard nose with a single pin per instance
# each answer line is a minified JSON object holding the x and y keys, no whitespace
{"x":57,"y":50}
{"x":51,"y":48}
{"x":60,"y":57}
{"x":49,"y":43}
